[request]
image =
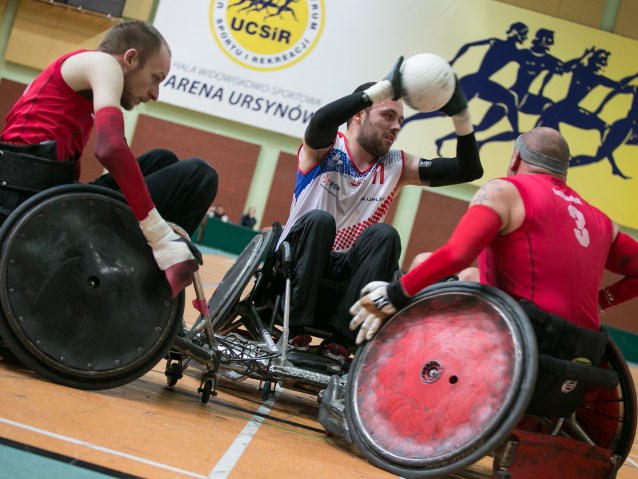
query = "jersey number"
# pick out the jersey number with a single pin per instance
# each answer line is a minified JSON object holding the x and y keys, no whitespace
{"x":582,"y":235}
{"x":379,"y":175}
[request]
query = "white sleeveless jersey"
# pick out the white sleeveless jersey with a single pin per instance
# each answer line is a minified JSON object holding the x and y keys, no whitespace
{"x":356,"y":199}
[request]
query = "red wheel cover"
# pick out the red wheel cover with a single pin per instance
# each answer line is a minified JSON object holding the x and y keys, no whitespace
{"x":435,"y":377}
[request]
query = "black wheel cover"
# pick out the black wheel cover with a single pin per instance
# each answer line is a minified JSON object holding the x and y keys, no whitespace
{"x":83,"y":301}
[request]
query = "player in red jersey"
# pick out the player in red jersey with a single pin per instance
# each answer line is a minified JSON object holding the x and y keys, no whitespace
{"x":87,"y":89}
{"x":536,"y":238}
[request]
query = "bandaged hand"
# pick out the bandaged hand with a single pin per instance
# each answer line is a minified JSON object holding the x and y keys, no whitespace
{"x":371,"y":310}
{"x":175,"y":255}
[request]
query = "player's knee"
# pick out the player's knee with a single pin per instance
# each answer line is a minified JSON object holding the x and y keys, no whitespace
{"x":385,"y":235}
{"x":204,"y":173}
{"x":418,"y":259}
{"x":204,"y":169}
{"x":167,"y":157}
{"x":469,"y":274}
{"x":320,"y":219}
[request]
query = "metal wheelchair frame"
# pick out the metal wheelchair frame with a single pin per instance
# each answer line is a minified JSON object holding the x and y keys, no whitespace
{"x":236,"y":335}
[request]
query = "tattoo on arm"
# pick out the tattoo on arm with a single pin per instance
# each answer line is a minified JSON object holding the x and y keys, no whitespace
{"x":482,"y":196}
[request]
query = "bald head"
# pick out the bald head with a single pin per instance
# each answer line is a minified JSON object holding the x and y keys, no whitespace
{"x":548,"y":141}
{"x":544,"y":148}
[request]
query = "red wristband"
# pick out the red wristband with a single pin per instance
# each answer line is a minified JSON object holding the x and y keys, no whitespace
{"x":622,"y":259}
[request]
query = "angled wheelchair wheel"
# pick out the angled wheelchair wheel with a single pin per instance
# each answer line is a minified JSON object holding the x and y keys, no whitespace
{"x":229,"y":291}
{"x":83,"y":301}
{"x":443,"y":382}
{"x":608,"y":416}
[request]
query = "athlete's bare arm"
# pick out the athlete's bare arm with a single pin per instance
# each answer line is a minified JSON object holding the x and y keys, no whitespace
{"x":96,"y":71}
{"x":503,"y":197}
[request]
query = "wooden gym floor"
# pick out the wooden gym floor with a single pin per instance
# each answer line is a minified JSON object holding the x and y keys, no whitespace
{"x":146,"y":429}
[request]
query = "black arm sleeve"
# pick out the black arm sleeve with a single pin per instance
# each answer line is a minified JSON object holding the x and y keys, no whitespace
{"x":452,"y":171}
{"x":324,"y":124}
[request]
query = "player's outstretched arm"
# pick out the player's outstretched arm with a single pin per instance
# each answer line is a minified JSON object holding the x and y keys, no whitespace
{"x":100,"y":73}
{"x":466,"y":165}
{"x":478,"y":227}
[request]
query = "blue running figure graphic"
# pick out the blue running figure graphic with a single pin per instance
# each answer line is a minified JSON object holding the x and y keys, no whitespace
{"x":535,"y":62}
{"x":479,"y":84}
{"x":585,"y":77}
{"x":622,"y":131}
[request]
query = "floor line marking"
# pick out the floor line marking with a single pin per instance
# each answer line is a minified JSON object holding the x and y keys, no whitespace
{"x":101,"y":448}
{"x":232,"y":455}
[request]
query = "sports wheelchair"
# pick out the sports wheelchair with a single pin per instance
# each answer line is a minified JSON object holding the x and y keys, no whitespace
{"x":458,"y":375}
{"x":451,"y":378}
{"x":83,"y":303}
{"x":242,"y":331}
{"x":461,"y":373}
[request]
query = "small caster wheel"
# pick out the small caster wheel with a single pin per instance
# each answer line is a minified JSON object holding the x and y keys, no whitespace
{"x":173,"y":374}
{"x":206,"y":391}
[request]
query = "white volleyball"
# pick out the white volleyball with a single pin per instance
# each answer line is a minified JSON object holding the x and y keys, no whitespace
{"x":427,"y":81}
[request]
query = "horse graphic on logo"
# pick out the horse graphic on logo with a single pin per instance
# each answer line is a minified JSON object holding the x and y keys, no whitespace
{"x":259,"y":5}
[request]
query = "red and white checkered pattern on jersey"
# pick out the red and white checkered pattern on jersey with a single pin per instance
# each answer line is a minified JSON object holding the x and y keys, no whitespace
{"x":355,"y":199}
{"x":346,"y":236}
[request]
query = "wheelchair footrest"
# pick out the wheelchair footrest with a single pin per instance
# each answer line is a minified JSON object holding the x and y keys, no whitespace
{"x":554,"y":457}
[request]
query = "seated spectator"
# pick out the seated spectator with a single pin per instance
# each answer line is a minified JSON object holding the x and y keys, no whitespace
{"x":248,"y":220}
{"x":220,"y":214}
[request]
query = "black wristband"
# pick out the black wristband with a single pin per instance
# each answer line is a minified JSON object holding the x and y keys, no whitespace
{"x":465,"y":167}
{"x":396,"y":295}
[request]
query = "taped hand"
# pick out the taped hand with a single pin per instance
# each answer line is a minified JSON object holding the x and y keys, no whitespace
{"x":178,"y":257}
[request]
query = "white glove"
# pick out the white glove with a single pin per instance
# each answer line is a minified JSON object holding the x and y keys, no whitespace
{"x":176,"y":256}
{"x":389,"y":87}
{"x":371,"y":310}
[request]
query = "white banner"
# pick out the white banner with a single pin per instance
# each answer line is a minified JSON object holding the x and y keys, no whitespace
{"x":273,"y":63}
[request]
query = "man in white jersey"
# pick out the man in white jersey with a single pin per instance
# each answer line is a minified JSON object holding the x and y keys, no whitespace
{"x":345,"y":185}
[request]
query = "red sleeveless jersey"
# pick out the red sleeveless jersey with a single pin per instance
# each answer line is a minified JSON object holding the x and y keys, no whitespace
{"x":50,"y":110}
{"x":557,"y":257}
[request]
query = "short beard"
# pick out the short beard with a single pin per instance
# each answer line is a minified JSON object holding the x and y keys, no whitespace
{"x":125,"y":99}
{"x":370,"y":141}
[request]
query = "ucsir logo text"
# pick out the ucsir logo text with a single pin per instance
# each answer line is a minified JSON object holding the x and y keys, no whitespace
{"x":266,"y":34}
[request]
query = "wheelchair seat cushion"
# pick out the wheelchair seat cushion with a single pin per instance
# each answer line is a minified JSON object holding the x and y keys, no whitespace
{"x":26,"y":170}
